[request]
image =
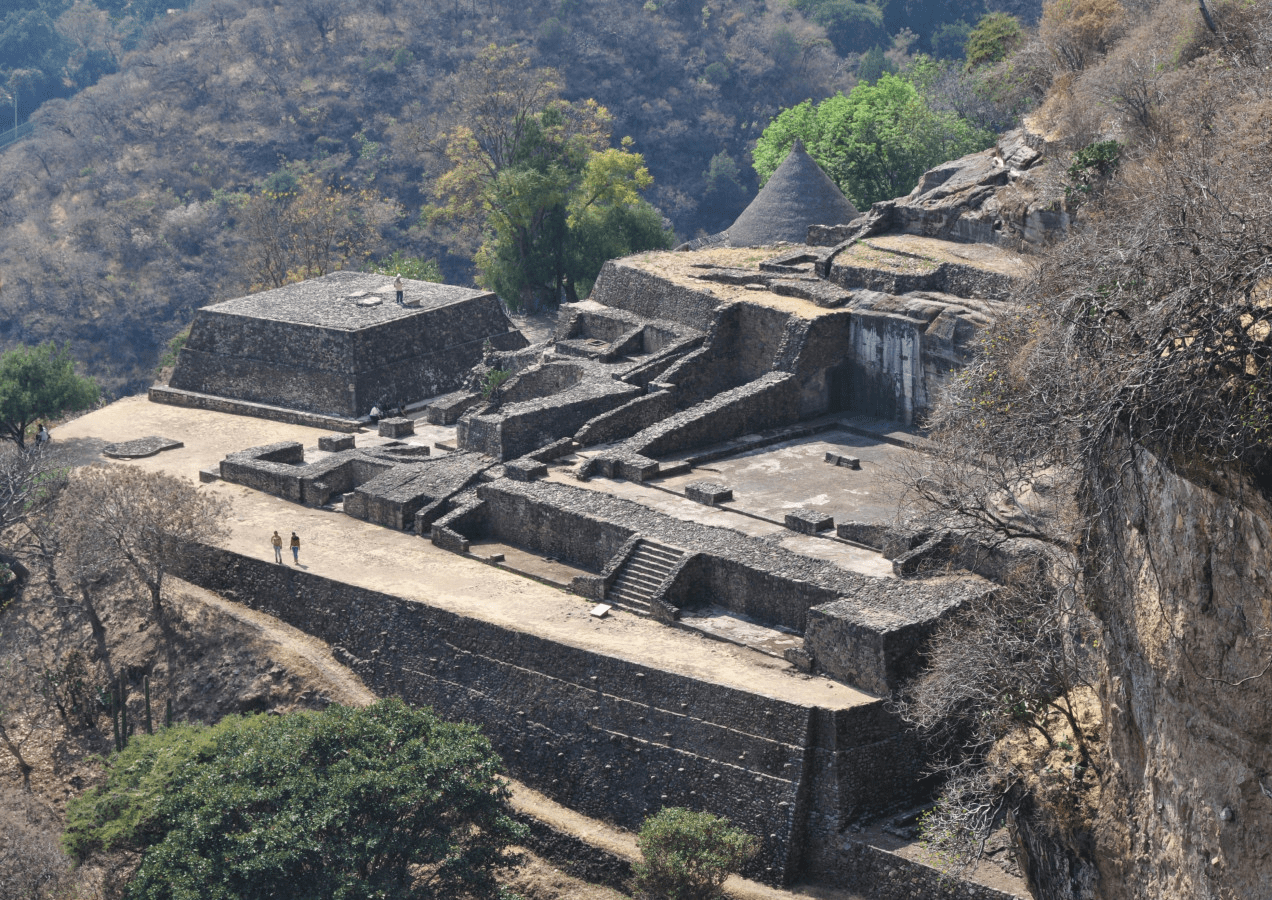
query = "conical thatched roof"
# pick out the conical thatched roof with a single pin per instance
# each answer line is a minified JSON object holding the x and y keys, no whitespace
{"x":797,"y":195}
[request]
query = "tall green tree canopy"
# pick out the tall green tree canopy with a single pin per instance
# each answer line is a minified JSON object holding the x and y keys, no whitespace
{"x":537,"y":178}
{"x":39,"y":383}
{"x":875,"y":142}
{"x":384,"y":802}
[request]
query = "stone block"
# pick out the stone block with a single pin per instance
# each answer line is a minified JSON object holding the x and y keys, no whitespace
{"x":846,"y":462}
{"x":708,"y":492}
{"x":867,"y":533}
{"x":207,"y":476}
{"x":396,"y":428}
{"x":525,"y":469}
{"x":808,"y":521}
{"x":447,"y":409}
{"x":634,"y":467}
{"x":799,"y":658}
{"x":335,"y":442}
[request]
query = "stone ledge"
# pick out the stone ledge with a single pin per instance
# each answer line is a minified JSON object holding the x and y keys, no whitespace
{"x":195,"y":400}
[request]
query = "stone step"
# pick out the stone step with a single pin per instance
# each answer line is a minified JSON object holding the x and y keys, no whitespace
{"x":629,"y":588}
{"x":648,"y":567}
{"x":655,"y":547}
{"x":640,"y":576}
{"x":629,"y":596}
{"x":660,"y":563}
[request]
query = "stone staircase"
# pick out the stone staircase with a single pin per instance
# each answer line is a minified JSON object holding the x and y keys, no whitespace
{"x":640,"y":576}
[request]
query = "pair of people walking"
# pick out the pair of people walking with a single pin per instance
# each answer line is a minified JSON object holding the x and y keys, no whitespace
{"x":277,"y":541}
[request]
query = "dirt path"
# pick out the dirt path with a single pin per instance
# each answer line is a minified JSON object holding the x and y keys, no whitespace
{"x":293,"y":648}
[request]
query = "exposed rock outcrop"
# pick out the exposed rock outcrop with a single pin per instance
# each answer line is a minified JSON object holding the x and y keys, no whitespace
{"x":1003,"y":195}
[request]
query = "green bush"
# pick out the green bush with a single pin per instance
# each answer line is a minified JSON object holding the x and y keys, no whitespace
{"x":416,"y":267}
{"x":384,"y":802}
{"x":687,"y":855}
{"x":876,"y":142}
{"x":994,"y":37}
{"x":173,"y":350}
{"x":1090,"y":169}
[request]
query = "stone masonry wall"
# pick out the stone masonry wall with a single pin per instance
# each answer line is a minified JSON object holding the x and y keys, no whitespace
{"x":767,"y":402}
{"x":311,"y":367}
{"x":886,"y":618}
{"x":607,"y":737}
{"x":627,"y":287}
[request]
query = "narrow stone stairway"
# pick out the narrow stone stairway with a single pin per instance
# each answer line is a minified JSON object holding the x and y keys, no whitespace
{"x":644,"y":570}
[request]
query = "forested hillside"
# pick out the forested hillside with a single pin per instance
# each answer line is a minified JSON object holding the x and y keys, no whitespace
{"x":126,"y":208}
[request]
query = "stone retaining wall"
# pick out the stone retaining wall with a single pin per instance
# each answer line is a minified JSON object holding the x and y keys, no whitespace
{"x":610,"y":738}
{"x":627,"y":287}
{"x":872,"y":628}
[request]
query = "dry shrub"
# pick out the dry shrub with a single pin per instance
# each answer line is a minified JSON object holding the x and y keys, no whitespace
{"x":32,"y":864}
{"x":1078,"y":31}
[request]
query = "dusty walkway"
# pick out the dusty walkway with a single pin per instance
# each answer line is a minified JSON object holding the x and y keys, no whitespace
{"x":343,"y":548}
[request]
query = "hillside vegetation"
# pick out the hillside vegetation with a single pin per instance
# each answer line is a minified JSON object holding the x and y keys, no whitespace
{"x":124,"y":211}
{"x":1119,"y":423}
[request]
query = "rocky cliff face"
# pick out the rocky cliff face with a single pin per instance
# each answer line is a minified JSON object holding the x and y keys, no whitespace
{"x":1187,"y":806}
{"x":1011,"y":194}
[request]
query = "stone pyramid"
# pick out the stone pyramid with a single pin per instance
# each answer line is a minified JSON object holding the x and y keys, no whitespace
{"x":797,"y":195}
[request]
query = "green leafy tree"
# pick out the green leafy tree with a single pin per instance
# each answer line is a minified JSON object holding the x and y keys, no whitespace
{"x":875,"y":142}
{"x":536,"y":176}
{"x":994,"y":37}
{"x":385,"y":802}
{"x":39,"y":383}
{"x":687,"y":855}
{"x":874,"y":65}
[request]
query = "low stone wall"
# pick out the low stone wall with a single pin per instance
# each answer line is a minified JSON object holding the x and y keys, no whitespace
{"x":947,"y":278}
{"x":194,"y":400}
{"x":608,"y":737}
{"x":768,"y":402}
{"x":713,"y":580}
{"x":633,"y":416}
{"x":518,"y":428}
{"x":870,"y":628}
{"x":626,"y":287}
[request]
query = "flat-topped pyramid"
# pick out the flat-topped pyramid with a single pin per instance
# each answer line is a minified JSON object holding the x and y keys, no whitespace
{"x":337,"y":345}
{"x":797,"y":195}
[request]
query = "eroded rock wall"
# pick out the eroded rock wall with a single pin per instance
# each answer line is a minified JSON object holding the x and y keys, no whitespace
{"x":1188,"y":694}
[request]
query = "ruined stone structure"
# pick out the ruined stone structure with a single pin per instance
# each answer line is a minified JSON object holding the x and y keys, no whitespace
{"x":336,"y":346}
{"x":679,"y":361}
